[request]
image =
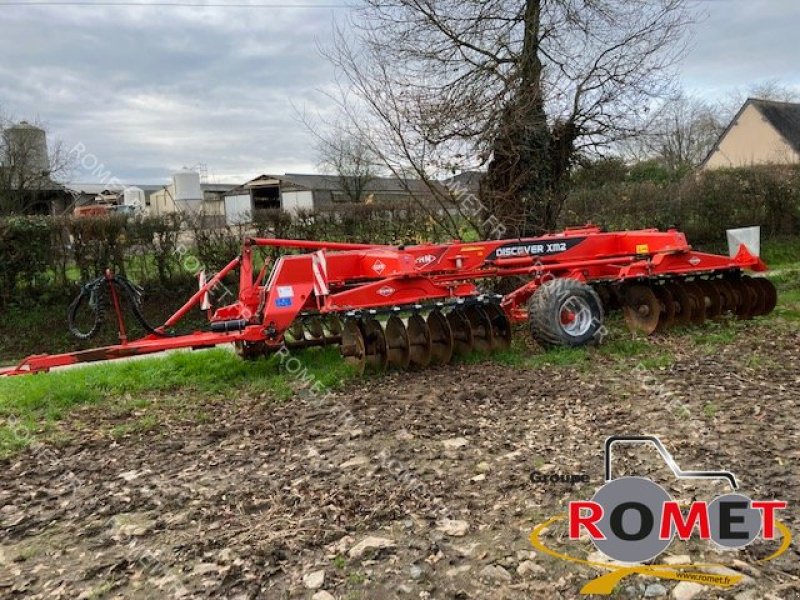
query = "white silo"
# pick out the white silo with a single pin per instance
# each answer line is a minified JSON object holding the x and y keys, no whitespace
{"x":26,"y":148}
{"x":188,"y":193}
{"x":134,"y":197}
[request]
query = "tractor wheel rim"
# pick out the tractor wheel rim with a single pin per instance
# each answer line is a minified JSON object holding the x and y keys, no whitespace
{"x":575,"y":316}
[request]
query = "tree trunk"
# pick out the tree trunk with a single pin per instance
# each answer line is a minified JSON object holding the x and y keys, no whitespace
{"x":525,"y":182}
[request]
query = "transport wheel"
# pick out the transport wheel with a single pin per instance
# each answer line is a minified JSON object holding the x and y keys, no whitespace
{"x":441,"y":338}
{"x":501,"y":327}
{"x":565,"y":312}
{"x":352,"y":348}
{"x":482,"y":338}
{"x":770,"y":293}
{"x":713,"y":301}
{"x":698,"y":301}
{"x":419,"y":338}
{"x":642,"y":309}
{"x":397,"y":344}
{"x":463,"y":340}
{"x":683,"y":304}
{"x":375,"y":349}
{"x":666,"y":318}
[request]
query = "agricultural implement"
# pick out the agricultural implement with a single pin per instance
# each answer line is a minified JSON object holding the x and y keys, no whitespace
{"x":407,"y":307}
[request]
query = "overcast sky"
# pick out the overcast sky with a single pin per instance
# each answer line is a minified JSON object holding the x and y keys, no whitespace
{"x":151,"y":89}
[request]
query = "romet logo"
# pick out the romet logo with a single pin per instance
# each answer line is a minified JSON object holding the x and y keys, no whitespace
{"x":633,"y":520}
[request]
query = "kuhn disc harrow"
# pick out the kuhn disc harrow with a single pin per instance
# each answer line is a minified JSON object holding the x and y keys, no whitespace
{"x":411,"y":307}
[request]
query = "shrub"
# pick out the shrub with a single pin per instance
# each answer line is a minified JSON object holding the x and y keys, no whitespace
{"x":25,"y":244}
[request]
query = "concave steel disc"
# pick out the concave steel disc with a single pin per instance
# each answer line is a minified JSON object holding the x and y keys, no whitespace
{"x":397,"y":344}
{"x":748,"y":299}
{"x":482,"y":337}
{"x":770,"y":294}
{"x":419,"y":338}
{"x":713,"y":300}
{"x":352,"y":347}
{"x":698,"y":301}
{"x":642,"y":309}
{"x":441,"y":336}
{"x":374,"y":344}
{"x":315,"y":328}
{"x":333,"y":328}
{"x":729,"y":300}
{"x":760,"y":304}
{"x":462,"y":332}
{"x":666,"y":317}
{"x":501,"y":327}
{"x":297,"y":331}
{"x":683,"y":304}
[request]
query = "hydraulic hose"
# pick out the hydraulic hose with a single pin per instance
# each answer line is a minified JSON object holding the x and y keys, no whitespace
{"x":95,"y":295}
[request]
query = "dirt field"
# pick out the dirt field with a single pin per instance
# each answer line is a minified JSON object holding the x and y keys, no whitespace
{"x":405,"y":486}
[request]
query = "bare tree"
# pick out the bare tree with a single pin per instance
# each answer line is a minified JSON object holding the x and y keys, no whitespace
{"x":683,"y":132}
{"x":351,"y":160}
{"x":517,"y":89}
{"x":29,"y":166}
{"x":770,"y":89}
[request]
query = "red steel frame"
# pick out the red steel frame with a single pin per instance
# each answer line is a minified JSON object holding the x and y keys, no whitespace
{"x":341,"y":277}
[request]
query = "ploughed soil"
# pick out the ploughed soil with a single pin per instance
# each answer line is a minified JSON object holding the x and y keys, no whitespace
{"x":412,"y":485}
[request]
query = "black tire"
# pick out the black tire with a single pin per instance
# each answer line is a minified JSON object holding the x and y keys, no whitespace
{"x":546,"y":308}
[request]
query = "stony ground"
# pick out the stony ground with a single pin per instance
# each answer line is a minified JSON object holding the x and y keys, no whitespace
{"x":404,"y":486}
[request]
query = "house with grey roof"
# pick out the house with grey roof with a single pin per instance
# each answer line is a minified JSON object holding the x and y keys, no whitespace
{"x":763,"y":132}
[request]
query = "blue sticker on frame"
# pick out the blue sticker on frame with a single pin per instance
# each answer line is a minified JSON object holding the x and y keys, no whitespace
{"x":283,"y":302}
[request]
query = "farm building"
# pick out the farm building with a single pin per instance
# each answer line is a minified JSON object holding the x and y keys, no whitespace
{"x":107,"y":193}
{"x":763,"y":132}
{"x":26,"y":185}
{"x":296,"y":192}
{"x":163,"y":201}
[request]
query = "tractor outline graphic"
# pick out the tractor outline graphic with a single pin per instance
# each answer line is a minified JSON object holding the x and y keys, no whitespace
{"x":666,"y":456}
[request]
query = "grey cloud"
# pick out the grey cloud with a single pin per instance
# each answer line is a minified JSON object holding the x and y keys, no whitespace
{"x":149,"y":90}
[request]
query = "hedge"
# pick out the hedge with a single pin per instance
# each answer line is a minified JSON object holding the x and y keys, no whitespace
{"x":702,"y":206}
{"x":40,"y":253}
{"x":53,"y":253}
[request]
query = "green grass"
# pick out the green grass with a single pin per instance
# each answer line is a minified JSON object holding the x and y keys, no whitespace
{"x":710,"y":410}
{"x":29,"y":406}
{"x":781,"y":252}
{"x":32,"y":403}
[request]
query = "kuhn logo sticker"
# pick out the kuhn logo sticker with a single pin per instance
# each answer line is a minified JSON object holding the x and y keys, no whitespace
{"x":633,"y":520}
{"x":378,"y":267}
{"x":386,"y":291}
{"x":423,"y":261}
{"x":535,"y":247}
